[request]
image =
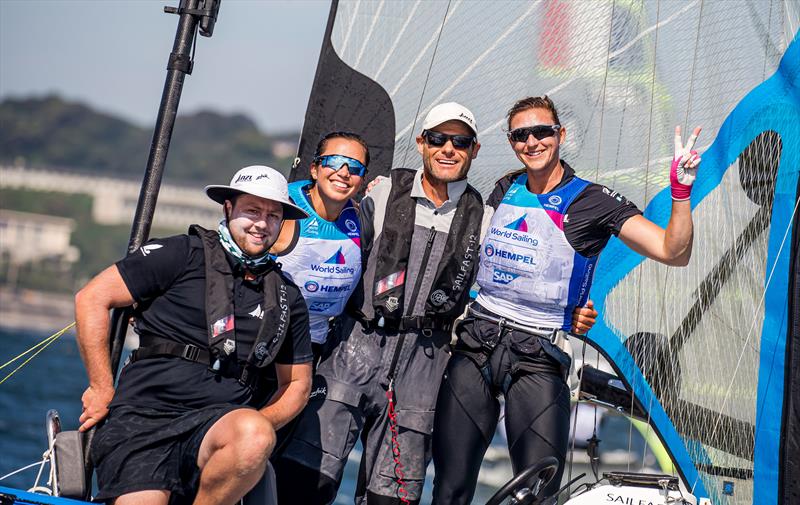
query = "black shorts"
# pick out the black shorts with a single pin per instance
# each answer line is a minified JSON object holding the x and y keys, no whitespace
{"x":141,"y":449}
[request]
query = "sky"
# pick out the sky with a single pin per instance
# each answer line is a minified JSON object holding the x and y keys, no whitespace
{"x":112,"y":54}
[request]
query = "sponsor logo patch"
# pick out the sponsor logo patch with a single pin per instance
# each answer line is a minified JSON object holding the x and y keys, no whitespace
{"x":336,"y":259}
{"x":147,"y":249}
{"x":503,"y":276}
{"x":518,"y":224}
{"x":319,"y":306}
{"x":311,"y":286}
{"x":438,"y":298}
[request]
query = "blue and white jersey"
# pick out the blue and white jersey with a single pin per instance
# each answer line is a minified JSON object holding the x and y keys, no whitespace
{"x":529,"y":272}
{"x":325,"y":263}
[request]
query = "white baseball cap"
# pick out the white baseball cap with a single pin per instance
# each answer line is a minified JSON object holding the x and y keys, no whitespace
{"x":261,"y":181}
{"x":448,"y":112}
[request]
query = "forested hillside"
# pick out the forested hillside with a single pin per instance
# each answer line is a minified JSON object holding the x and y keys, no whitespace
{"x":52,"y":132}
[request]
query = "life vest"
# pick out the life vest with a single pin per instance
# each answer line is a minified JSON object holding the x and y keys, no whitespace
{"x":528,"y":271}
{"x":449,"y":292}
{"x":220,"y":354}
{"x":325,"y":263}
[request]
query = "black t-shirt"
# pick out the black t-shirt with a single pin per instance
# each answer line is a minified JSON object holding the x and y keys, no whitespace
{"x":167,"y":280}
{"x":596,"y":213}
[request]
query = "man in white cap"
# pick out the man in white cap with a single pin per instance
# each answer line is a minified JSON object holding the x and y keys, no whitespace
{"x":215,"y":317}
{"x":420,"y":240}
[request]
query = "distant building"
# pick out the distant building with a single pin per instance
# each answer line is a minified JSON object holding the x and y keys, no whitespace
{"x":114,"y":200}
{"x":26,"y":237}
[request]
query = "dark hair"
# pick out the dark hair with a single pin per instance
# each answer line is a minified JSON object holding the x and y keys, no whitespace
{"x":342,"y":135}
{"x":533,"y":102}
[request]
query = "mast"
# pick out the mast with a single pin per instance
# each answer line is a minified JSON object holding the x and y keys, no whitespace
{"x":195,"y":15}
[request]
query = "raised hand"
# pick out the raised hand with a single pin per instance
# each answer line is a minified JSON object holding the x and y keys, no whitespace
{"x":685,"y":161}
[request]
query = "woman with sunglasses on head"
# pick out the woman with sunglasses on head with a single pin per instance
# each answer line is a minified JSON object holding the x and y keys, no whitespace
{"x":322,"y":253}
{"x":537,"y":262}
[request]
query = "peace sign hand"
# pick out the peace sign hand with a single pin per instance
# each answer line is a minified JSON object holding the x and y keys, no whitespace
{"x":685,"y":161}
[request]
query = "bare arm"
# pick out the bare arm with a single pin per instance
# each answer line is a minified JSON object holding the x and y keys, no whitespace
{"x":672,"y":246}
{"x":92,"y":303}
{"x":294,"y":386}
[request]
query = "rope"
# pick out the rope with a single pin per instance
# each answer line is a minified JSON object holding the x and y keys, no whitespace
{"x":41,"y":345}
{"x":402,"y":492}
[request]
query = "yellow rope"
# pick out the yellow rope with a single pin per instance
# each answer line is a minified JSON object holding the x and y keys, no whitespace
{"x":41,"y":345}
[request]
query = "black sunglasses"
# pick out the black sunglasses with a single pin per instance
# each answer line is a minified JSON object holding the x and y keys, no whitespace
{"x":541,"y":131}
{"x":437,"y":139}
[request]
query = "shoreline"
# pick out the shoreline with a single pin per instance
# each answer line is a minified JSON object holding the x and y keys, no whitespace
{"x":27,"y":309}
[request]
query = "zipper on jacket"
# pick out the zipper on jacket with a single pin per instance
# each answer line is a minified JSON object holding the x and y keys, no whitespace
{"x":422,"y":268}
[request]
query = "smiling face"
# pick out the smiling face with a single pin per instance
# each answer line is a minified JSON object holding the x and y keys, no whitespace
{"x":538,"y":156}
{"x":340,"y":185}
{"x":254,"y":223}
{"x":447,"y":163}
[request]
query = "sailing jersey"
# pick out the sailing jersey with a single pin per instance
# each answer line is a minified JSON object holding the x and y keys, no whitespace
{"x":324,"y":260}
{"x":540,"y":251}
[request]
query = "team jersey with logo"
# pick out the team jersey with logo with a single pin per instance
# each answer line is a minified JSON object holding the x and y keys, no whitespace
{"x":529,"y":272}
{"x":325,"y":262}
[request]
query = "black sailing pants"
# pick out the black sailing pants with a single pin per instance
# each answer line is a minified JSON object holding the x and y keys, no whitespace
{"x":467,"y":410}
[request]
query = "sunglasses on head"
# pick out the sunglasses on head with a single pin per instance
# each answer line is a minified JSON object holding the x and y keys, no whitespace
{"x":437,"y":139}
{"x":541,"y":131}
{"x":336,"y":161}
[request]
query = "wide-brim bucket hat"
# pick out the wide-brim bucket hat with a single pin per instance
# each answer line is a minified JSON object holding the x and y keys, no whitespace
{"x":261,"y":181}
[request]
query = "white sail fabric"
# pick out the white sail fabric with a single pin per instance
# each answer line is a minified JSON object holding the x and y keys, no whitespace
{"x":688,"y":341}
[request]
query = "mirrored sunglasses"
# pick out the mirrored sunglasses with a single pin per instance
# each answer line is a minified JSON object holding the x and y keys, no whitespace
{"x":541,"y":131}
{"x":437,"y":139}
{"x":336,"y":161}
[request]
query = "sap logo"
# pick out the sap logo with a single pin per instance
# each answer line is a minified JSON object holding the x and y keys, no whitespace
{"x":351,"y":225}
{"x":311,"y":286}
{"x":554,"y":200}
{"x":489,"y":250}
{"x":147,"y":249}
{"x":503,"y":277}
{"x":320,"y":306}
{"x":243,"y":178}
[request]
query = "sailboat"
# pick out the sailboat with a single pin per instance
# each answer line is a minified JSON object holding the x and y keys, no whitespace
{"x":707,"y":356}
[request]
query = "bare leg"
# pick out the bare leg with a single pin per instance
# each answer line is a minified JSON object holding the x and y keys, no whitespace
{"x":233,"y":456}
{"x":149,"y":497}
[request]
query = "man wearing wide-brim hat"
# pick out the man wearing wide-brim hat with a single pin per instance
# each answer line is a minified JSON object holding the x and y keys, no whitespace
{"x":214,"y":316}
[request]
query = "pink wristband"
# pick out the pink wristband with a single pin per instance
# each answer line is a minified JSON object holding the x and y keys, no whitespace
{"x":680,"y":192}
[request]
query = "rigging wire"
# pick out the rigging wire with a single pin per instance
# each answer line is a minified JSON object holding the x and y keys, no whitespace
{"x":668,"y":271}
{"x":425,"y":84}
{"x":603,"y":91}
{"x":750,"y":333}
{"x":41,"y":346}
{"x":646,"y":190}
